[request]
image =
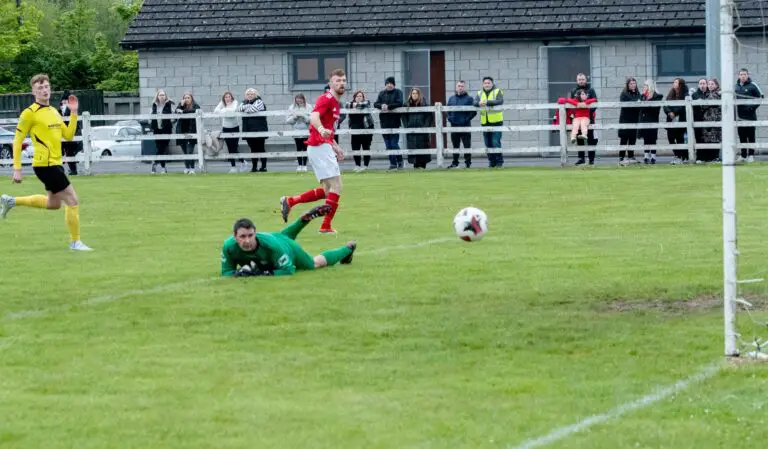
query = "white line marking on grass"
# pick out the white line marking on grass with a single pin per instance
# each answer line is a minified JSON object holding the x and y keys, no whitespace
{"x":102,"y":299}
{"x":659,"y":395}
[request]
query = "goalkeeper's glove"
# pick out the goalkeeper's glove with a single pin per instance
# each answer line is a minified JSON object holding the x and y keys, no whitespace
{"x":252,"y":270}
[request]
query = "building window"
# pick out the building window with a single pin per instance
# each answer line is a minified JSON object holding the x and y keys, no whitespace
{"x":315,"y":68}
{"x":681,"y":60}
{"x":416,"y":73}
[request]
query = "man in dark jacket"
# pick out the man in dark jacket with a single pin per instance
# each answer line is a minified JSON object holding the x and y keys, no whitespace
{"x":581,"y":83}
{"x":461,"y":119}
{"x":70,"y":149}
{"x":746,"y":89}
{"x":390,"y":99}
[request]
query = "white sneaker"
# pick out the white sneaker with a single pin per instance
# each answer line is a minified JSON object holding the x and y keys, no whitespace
{"x":6,"y":204}
{"x":740,"y":159}
{"x":186,"y":171}
{"x":358,"y":169}
{"x":79,"y":246}
{"x":304,"y":168}
{"x":233,"y":170}
{"x":244,"y":167}
{"x":191,"y":171}
{"x":750,"y":159}
{"x":676,"y":161}
{"x":164,"y":171}
{"x":299,"y":168}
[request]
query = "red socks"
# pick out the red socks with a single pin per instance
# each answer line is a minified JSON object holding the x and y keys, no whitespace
{"x":307,"y":197}
{"x":333,"y":201}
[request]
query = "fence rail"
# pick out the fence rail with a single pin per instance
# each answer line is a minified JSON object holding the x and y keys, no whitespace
{"x":90,"y":157}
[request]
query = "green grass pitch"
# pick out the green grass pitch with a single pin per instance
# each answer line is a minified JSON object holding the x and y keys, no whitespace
{"x":591,"y":289}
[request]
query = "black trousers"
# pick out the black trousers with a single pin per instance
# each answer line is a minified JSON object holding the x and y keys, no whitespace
{"x":627,"y":141}
{"x":676,"y":136}
{"x":70,"y":150}
{"x":591,"y":141}
{"x":232,"y":143}
{"x":363,"y":142}
{"x":457,"y":139}
{"x":162,"y":149}
{"x":256,"y":145}
{"x":301,"y":146}
{"x":188,"y":147}
{"x":650,"y":140}
{"x":747,"y":135}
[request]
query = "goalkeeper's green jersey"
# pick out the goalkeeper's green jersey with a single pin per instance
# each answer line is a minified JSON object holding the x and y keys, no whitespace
{"x":276,"y":252}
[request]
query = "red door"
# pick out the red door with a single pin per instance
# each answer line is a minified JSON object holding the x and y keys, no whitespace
{"x":437,"y":84}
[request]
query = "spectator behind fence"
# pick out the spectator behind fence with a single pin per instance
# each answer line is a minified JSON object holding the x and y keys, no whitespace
{"x":69,"y":148}
{"x":417,"y":141}
{"x":298,"y":117}
{"x":462,"y":119}
{"x":580,"y":115}
{"x":700,"y":93}
{"x":582,"y":84}
{"x":650,"y":114}
{"x":390,"y":99}
{"x":629,"y":116}
{"x":711,"y":114}
{"x":491,"y":96}
{"x":746,"y":89}
{"x":360,"y":121}
{"x":187,"y":126}
{"x":162,"y":105}
{"x":677,"y":114}
{"x":230,"y":124}
{"x":252,"y":105}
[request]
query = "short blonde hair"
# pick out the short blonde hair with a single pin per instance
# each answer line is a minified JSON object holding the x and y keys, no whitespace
{"x":251,"y":89}
{"x":39,"y":78}
{"x":651,"y":85}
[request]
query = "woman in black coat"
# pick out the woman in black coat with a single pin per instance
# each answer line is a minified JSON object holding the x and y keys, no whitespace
{"x":162,"y":105}
{"x":187,"y":126}
{"x":629,"y":115}
{"x":698,"y":111}
{"x":650,"y":114}
{"x":251,"y":105}
{"x":417,"y":120}
{"x":676,"y":136}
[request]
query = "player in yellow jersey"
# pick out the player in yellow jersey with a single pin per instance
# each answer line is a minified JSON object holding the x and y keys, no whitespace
{"x":46,"y":128}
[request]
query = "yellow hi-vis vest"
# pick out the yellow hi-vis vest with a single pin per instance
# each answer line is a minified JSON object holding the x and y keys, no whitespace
{"x":492,"y":117}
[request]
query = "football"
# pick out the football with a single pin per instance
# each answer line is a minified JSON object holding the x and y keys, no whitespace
{"x":470,"y":224}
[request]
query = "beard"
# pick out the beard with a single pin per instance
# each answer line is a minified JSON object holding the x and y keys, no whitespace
{"x":340,"y":90}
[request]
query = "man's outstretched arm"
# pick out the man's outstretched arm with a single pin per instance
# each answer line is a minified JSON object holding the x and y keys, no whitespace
{"x":228,"y":267}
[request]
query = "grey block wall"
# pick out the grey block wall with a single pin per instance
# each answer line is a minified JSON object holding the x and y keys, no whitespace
{"x":520,"y":68}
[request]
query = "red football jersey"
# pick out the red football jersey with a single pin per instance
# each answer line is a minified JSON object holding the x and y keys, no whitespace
{"x":330,"y":112}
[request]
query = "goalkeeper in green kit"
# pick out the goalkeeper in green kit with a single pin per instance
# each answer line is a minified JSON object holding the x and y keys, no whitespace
{"x":250,"y":253}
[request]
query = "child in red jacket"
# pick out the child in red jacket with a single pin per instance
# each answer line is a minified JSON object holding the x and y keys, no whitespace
{"x":581,"y":116}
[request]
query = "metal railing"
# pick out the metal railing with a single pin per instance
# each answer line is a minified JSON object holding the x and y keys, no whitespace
{"x":440,"y":151}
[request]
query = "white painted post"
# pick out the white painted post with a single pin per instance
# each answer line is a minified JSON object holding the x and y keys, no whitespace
{"x":200,"y":140}
{"x":563,"y":135}
{"x":439,"y":141}
{"x":87,"y":150}
{"x":691,"y":132}
{"x":730,"y":250}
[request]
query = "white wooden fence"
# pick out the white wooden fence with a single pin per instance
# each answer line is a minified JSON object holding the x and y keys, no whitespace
{"x":439,"y":131}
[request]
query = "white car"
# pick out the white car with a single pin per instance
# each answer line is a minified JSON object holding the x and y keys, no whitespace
{"x":109,"y":141}
{"x":6,"y":147}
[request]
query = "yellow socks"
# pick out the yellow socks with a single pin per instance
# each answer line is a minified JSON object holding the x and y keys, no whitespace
{"x":36,"y":201}
{"x":72,"y":218}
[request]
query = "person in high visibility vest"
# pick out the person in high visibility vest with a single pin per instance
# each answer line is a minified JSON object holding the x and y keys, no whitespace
{"x":491,"y":96}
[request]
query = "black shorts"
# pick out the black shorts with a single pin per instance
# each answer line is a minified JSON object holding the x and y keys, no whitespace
{"x":53,"y":178}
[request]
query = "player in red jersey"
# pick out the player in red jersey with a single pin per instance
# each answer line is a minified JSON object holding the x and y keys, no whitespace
{"x":323,"y":152}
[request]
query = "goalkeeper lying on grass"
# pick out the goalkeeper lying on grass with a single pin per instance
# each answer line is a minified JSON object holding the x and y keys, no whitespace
{"x":251,"y":253}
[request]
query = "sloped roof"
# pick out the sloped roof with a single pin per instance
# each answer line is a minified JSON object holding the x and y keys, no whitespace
{"x":211,"y":22}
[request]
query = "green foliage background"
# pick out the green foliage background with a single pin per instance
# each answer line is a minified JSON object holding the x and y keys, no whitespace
{"x":76,"y":42}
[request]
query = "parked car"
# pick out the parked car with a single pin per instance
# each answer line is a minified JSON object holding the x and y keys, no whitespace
{"x":109,"y":141}
{"x":6,"y":147}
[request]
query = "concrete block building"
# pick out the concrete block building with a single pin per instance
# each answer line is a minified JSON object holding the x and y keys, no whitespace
{"x":533,"y":49}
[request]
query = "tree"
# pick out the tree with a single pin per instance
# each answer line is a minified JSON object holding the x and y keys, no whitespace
{"x":15,"y":37}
